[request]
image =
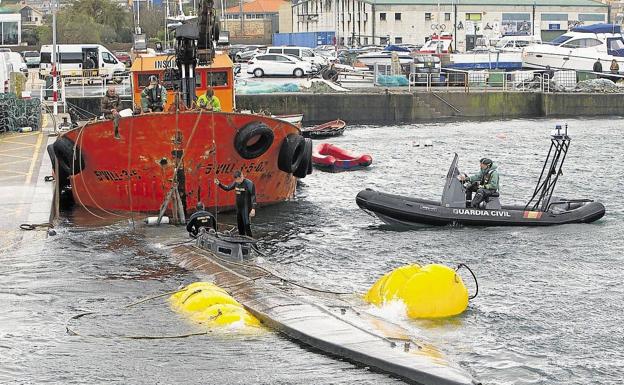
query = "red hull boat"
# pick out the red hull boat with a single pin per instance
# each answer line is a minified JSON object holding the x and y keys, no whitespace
{"x":134,"y":167}
{"x":329,"y":157}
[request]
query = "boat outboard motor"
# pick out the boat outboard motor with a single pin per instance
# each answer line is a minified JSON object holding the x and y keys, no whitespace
{"x":454,"y":193}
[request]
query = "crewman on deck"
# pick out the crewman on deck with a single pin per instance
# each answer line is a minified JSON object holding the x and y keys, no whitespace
{"x":200,"y":219}
{"x":485,"y":182}
{"x":245,"y":201}
{"x":209,"y":101}
{"x":110,"y":104}
{"x":154,"y":96}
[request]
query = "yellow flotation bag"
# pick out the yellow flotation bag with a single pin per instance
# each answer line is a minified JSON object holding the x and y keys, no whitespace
{"x":206,"y":303}
{"x":431,"y":291}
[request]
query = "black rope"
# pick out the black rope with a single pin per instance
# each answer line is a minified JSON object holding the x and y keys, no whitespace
{"x":33,"y":226}
{"x":473,"y":276}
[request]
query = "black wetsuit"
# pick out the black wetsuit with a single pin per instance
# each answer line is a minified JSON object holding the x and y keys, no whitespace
{"x":245,"y":201}
{"x":200,"y":219}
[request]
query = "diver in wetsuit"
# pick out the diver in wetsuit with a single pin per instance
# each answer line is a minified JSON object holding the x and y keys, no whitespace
{"x":200,"y":219}
{"x":485,"y":182}
{"x":245,"y":201}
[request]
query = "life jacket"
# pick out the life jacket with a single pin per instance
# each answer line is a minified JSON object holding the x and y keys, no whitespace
{"x":150,"y":95}
{"x":486,"y":177}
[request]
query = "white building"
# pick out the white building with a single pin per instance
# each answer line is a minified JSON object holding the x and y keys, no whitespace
{"x":10,"y":27}
{"x":412,"y":21}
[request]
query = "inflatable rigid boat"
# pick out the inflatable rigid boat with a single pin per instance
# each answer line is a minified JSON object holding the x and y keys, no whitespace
{"x":453,"y":209}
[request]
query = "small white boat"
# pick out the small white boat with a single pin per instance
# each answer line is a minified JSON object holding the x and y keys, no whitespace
{"x":295,"y":119}
{"x":370,"y":59}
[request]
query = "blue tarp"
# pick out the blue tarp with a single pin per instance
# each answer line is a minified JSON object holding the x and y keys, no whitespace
{"x":598,"y":28}
{"x":396,"y":48}
{"x":392,"y":80}
{"x":254,"y":88}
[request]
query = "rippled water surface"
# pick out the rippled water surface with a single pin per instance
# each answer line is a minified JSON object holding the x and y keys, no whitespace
{"x":549,"y":309}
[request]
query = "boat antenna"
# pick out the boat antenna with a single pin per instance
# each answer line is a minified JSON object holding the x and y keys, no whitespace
{"x":552,"y":169}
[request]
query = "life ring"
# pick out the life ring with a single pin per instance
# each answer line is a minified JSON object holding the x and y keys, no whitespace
{"x":253,"y":140}
{"x":291,"y":153}
{"x":69,"y":162}
{"x":306,"y":162}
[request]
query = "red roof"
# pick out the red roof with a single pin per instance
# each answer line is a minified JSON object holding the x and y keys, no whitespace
{"x":258,"y":6}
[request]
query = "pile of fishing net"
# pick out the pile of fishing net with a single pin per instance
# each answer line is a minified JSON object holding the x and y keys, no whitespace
{"x":16,"y":113}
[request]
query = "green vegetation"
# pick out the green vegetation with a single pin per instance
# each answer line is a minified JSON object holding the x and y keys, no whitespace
{"x":89,"y":21}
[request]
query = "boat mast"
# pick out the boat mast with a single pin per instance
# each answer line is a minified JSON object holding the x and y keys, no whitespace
{"x":559,"y":145}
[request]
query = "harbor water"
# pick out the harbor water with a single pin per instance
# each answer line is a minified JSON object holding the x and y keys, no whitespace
{"x":549,"y":308}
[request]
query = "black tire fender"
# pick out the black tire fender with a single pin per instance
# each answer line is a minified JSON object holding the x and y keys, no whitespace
{"x":292,"y":152}
{"x":260,"y":146}
{"x":306,"y":162}
{"x":69,"y":162}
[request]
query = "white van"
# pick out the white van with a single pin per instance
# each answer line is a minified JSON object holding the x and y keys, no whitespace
{"x":86,"y":60}
{"x":5,"y":73}
{"x":304,"y":53}
{"x":16,"y":60}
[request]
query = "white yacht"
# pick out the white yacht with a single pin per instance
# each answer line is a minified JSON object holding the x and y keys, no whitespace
{"x":385,"y":56}
{"x":584,"y":48}
{"x":506,"y":55}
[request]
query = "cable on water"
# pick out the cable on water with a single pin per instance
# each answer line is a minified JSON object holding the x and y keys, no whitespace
{"x":473,"y":276}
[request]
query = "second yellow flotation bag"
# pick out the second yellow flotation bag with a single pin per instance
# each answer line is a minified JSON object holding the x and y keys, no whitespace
{"x":431,"y":291}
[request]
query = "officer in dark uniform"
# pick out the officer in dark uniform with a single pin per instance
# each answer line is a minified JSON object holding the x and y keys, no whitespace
{"x":200,"y":219}
{"x":245,"y":201}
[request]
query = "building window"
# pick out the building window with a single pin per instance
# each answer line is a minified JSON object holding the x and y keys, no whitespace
{"x":591,"y":17}
{"x":8,"y":33}
{"x":383,"y":40}
{"x":365,"y":41}
{"x":397,"y":16}
{"x":398,"y":40}
{"x":427,"y":16}
{"x":473,"y":16}
{"x":382,"y":16}
{"x":447,"y":16}
{"x":516,"y":24}
{"x":554,"y":17}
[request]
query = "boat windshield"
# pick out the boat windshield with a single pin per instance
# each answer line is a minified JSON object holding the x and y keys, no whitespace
{"x":560,"y":40}
{"x":615,"y":46}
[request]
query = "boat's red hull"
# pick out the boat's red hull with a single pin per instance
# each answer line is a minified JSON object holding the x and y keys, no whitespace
{"x":135,"y":171}
{"x":329,"y":157}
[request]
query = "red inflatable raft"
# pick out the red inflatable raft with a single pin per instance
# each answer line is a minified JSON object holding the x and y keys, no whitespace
{"x":329,"y":157}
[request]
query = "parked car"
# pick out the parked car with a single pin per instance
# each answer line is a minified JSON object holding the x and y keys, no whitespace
{"x":278,"y":64}
{"x":249,"y":52}
{"x":17,"y":62}
{"x":31,"y":58}
{"x":124,"y":57}
{"x":233,"y":49}
{"x":303,"y":52}
{"x":5,"y":49}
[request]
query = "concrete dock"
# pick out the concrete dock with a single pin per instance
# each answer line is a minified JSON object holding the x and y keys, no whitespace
{"x":25,"y":196}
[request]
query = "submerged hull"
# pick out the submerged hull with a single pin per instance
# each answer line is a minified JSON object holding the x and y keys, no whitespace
{"x":326,"y":322}
{"x":396,"y":209}
{"x":135,"y":171}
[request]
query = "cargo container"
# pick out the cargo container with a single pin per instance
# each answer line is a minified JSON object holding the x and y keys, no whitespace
{"x":304,"y":39}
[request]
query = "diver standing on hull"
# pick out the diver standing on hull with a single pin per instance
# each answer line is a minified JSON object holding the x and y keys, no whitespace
{"x":485,"y":182}
{"x":245,"y":201}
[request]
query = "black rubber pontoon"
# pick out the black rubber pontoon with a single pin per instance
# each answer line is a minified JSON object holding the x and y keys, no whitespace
{"x":541,"y":210}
